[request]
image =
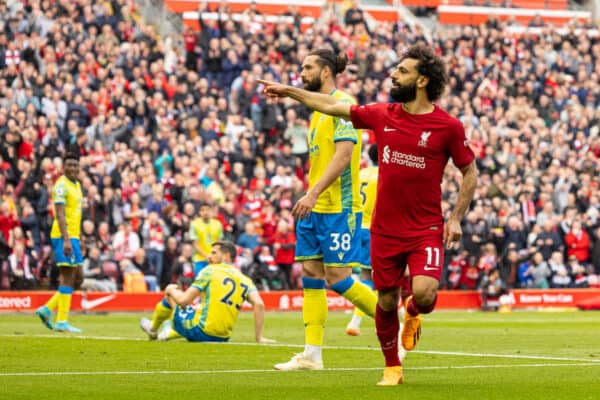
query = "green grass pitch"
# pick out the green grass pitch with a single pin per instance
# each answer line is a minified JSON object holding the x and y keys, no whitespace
{"x":462,"y":355}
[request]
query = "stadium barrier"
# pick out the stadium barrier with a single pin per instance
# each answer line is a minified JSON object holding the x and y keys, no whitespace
{"x":305,"y":7}
{"x":468,"y":15}
{"x":190,"y":18}
{"x":292,"y":300}
{"x":534,"y":4}
{"x":448,"y":14}
{"x":530,"y":30}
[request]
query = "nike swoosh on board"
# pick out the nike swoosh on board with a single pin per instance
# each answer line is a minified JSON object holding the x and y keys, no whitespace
{"x":89,"y":304}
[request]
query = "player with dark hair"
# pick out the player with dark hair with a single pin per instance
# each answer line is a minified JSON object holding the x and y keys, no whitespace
{"x":329,"y":214}
{"x":222,"y":289}
{"x":67,"y":198}
{"x":415,"y":140}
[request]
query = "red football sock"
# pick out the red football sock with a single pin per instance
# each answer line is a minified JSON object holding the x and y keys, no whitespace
{"x":387,"y":325}
{"x":416,"y":309}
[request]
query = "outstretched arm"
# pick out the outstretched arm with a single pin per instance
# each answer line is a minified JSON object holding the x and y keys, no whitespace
{"x":259,"y":317}
{"x":323,"y":103}
{"x":453,"y":230}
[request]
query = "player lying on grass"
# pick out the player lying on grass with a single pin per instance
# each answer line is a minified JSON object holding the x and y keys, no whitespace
{"x":222,"y":289}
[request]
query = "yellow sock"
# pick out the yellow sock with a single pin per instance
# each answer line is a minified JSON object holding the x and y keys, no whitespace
{"x":173,"y":335}
{"x":52,"y":303}
{"x":358,"y":313}
{"x":162,"y":312}
{"x":314,"y":310}
{"x":64,"y":303}
{"x":358,"y":294}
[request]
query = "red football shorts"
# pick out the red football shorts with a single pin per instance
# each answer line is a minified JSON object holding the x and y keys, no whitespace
{"x":390,"y":256}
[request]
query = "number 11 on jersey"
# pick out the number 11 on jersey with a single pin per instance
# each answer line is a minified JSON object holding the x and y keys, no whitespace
{"x":433,"y":256}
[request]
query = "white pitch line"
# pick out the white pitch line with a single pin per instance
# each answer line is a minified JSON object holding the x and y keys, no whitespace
{"x":253,"y":371}
{"x":61,"y":335}
{"x":446,"y":353}
{"x":354,"y":348}
{"x":513,"y":356}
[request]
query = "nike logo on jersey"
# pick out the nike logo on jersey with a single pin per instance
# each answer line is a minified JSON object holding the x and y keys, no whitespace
{"x":430,"y":268}
{"x":387,"y":129}
{"x":89,"y":304}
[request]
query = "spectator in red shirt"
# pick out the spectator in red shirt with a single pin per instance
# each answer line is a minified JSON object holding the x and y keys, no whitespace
{"x":578,"y":242}
{"x":284,"y":245}
{"x":190,"y":39}
{"x":455,"y":270}
{"x":269,"y":223}
{"x":470,"y":274}
{"x":7,"y":221}
{"x":25,"y":147}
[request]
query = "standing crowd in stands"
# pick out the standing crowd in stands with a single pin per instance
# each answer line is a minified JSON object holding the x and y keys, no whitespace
{"x":161,"y":131}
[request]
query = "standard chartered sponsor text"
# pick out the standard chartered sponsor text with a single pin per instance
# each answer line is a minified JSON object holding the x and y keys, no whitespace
{"x":408,"y":160}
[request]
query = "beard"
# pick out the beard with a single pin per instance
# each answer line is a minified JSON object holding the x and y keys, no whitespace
{"x":404,"y":93}
{"x":313,"y":85}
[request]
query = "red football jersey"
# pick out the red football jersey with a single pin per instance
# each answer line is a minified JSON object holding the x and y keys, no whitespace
{"x":413,"y":152}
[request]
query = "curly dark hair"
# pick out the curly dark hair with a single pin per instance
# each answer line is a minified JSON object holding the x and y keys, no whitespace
{"x":431,"y":66}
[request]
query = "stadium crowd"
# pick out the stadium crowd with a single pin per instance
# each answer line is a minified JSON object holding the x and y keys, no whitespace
{"x":162,"y":130}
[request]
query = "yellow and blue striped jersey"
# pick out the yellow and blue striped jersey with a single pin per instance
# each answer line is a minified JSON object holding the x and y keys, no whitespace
{"x":323,"y":133}
{"x":68,"y":193}
{"x":205,"y":234}
{"x":224,"y":290}
{"x":368,"y":192}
